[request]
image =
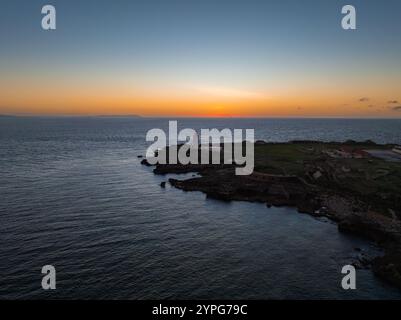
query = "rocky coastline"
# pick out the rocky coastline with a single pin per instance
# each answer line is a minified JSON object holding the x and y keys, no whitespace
{"x":318,"y":185}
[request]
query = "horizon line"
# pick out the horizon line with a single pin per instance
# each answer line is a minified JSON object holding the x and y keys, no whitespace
{"x":191,"y":117}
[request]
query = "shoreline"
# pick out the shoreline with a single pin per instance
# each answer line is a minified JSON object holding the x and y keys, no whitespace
{"x":321,"y":195}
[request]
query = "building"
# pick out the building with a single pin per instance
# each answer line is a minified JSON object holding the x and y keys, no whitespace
{"x":347,"y":152}
{"x":397,"y":149}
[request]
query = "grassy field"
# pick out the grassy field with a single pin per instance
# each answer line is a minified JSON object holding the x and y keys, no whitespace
{"x":371,"y":178}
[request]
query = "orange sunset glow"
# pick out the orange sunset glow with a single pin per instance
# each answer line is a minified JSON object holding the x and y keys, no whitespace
{"x":185,"y":102}
{"x":229,"y":68}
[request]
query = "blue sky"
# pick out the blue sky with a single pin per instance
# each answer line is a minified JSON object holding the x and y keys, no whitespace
{"x":200,"y":48}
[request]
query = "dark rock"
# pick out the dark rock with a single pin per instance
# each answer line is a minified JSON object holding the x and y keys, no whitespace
{"x":388,"y":268}
{"x":163,"y":184}
{"x":188,"y":168}
{"x":367,"y":227}
{"x":145,"y":163}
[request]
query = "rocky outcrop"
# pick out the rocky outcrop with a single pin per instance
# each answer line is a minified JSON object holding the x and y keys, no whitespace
{"x":373,"y":226}
{"x":145,"y":163}
{"x":179,"y":168}
{"x":352,"y":212}
{"x":274,"y":190}
{"x":388,"y":267}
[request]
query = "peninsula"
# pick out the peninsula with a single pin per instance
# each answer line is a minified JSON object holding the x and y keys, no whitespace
{"x":356,"y":184}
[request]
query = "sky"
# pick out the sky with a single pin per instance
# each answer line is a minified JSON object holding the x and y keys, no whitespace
{"x":204,"y":58}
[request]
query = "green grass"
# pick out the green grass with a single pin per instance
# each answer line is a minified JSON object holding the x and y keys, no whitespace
{"x":289,"y":158}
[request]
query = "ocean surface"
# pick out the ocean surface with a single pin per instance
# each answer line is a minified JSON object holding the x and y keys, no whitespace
{"x":74,"y":195}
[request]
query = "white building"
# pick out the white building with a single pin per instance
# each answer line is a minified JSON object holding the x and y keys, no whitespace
{"x":397,"y":149}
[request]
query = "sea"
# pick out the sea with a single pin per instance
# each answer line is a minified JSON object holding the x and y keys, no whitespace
{"x":74,"y":195}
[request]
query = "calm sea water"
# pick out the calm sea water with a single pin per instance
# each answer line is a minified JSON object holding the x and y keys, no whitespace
{"x":73,"y":194}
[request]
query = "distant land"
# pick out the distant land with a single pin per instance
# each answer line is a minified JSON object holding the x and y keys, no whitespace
{"x":75,"y":116}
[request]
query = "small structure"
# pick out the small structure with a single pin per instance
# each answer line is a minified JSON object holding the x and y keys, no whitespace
{"x":347,"y":152}
{"x":397,"y":149}
{"x":354,"y":153}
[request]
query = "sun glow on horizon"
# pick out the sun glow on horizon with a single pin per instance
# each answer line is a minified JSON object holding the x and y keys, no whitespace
{"x":187,"y":101}
{"x":244,"y":62}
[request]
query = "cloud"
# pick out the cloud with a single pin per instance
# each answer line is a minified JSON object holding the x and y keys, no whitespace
{"x":392,"y":102}
{"x":397,"y":108}
{"x":364,"y":99}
